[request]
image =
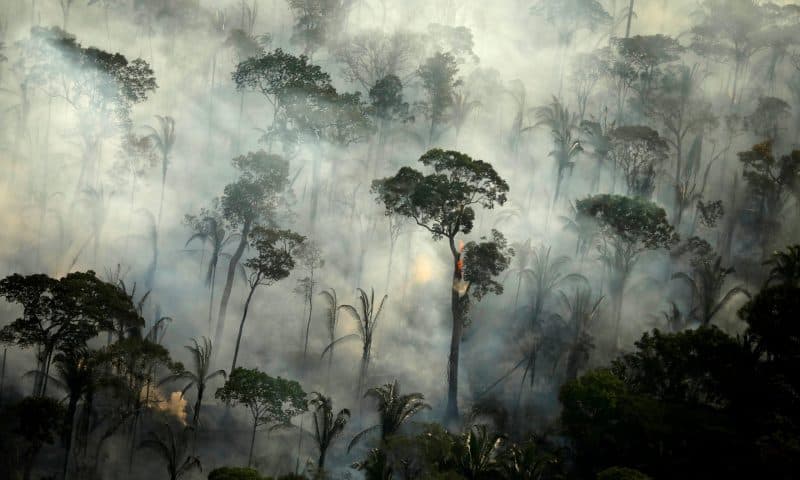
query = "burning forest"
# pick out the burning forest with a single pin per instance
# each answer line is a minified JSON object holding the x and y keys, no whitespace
{"x":364,"y":239}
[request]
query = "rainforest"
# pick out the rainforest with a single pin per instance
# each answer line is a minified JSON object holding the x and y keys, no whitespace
{"x":399,"y":240}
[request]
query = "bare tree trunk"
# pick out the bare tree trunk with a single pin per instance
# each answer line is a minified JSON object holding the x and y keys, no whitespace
{"x":252,"y":443}
{"x":456,"y":308}
{"x":226,"y":292}
{"x":630,"y":16}
{"x":241,"y":326}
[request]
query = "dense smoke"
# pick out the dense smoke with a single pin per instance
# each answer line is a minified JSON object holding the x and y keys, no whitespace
{"x":93,"y":181}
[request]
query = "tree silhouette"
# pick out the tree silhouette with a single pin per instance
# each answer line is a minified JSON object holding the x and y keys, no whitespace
{"x":562,"y":125}
{"x":198,"y":377}
{"x":439,"y":80}
{"x":274,"y":261}
{"x":627,"y":227}
{"x":785,"y":267}
{"x":172,"y":450}
{"x":706,"y":283}
{"x":443,"y":203}
{"x":209,"y":227}
{"x":394,"y":410}
{"x":164,"y":140}
{"x":366,"y":318}
{"x":327,"y":426}
{"x":271,"y":400}
{"x":251,"y":199}
{"x":59,"y":314}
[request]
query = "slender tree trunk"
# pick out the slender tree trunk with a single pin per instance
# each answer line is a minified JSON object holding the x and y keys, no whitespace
{"x":3,"y":375}
{"x":308,"y":327}
{"x":630,"y":16}
{"x":252,"y":443}
{"x":241,"y":326}
{"x":67,"y":438}
{"x":211,"y":298}
{"x":164,"y":167}
{"x":226,"y":292}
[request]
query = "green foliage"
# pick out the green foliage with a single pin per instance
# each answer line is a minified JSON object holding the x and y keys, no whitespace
{"x":772,"y":320}
{"x":394,"y":410}
{"x":621,"y":473}
{"x":327,"y":426}
{"x":439,"y":80}
{"x":274,"y":254}
{"x":675,"y":367}
{"x":271,"y":400}
{"x":386,"y":100}
{"x":785,"y":267}
{"x":638,"y":223}
{"x":107,"y":83}
{"x":569,"y":16}
{"x":442,"y":202}
{"x":483,"y":262}
{"x":257,"y":193}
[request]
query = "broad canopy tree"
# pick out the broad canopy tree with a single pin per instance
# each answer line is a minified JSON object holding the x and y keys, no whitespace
{"x":60,"y":315}
{"x":271,"y":400}
{"x":444,"y":203}
{"x":626,"y":227}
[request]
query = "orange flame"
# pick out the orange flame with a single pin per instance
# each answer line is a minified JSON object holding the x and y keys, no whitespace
{"x":460,"y":262}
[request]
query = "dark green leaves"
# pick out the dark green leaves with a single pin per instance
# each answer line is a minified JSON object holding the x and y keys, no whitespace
{"x":442,"y":202}
{"x":274,"y":254}
{"x":640,"y":223}
{"x":270,"y":399}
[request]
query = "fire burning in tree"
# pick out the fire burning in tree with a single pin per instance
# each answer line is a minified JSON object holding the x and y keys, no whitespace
{"x":460,"y":262}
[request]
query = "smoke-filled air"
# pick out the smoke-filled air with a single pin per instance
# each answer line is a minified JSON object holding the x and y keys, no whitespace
{"x":399,"y":239}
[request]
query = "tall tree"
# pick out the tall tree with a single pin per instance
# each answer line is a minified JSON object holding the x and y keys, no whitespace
{"x":639,"y":152}
{"x":562,"y":125}
{"x":275,"y":258}
{"x":444,"y":203}
{"x":366,"y":318}
{"x":770,"y":181}
{"x":627,"y":227}
{"x":209,"y":227}
{"x":245,"y":203}
{"x":164,"y":140}
{"x":271,"y":400}
{"x":439,"y":80}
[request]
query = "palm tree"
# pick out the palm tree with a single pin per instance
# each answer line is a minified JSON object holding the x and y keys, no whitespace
{"x":476,"y":454}
{"x":332,"y":318}
{"x":199,"y":377}
{"x":172,"y":449}
{"x":460,"y":111}
{"x":366,"y":321}
{"x":210,"y":229}
{"x":583,"y":311}
{"x":547,"y":274}
{"x":521,"y":268}
{"x":785,"y":266}
{"x":561,"y":124}
{"x":394,"y":410}
{"x":706,"y":282}
{"x":327,"y":426}
{"x":164,"y":140}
